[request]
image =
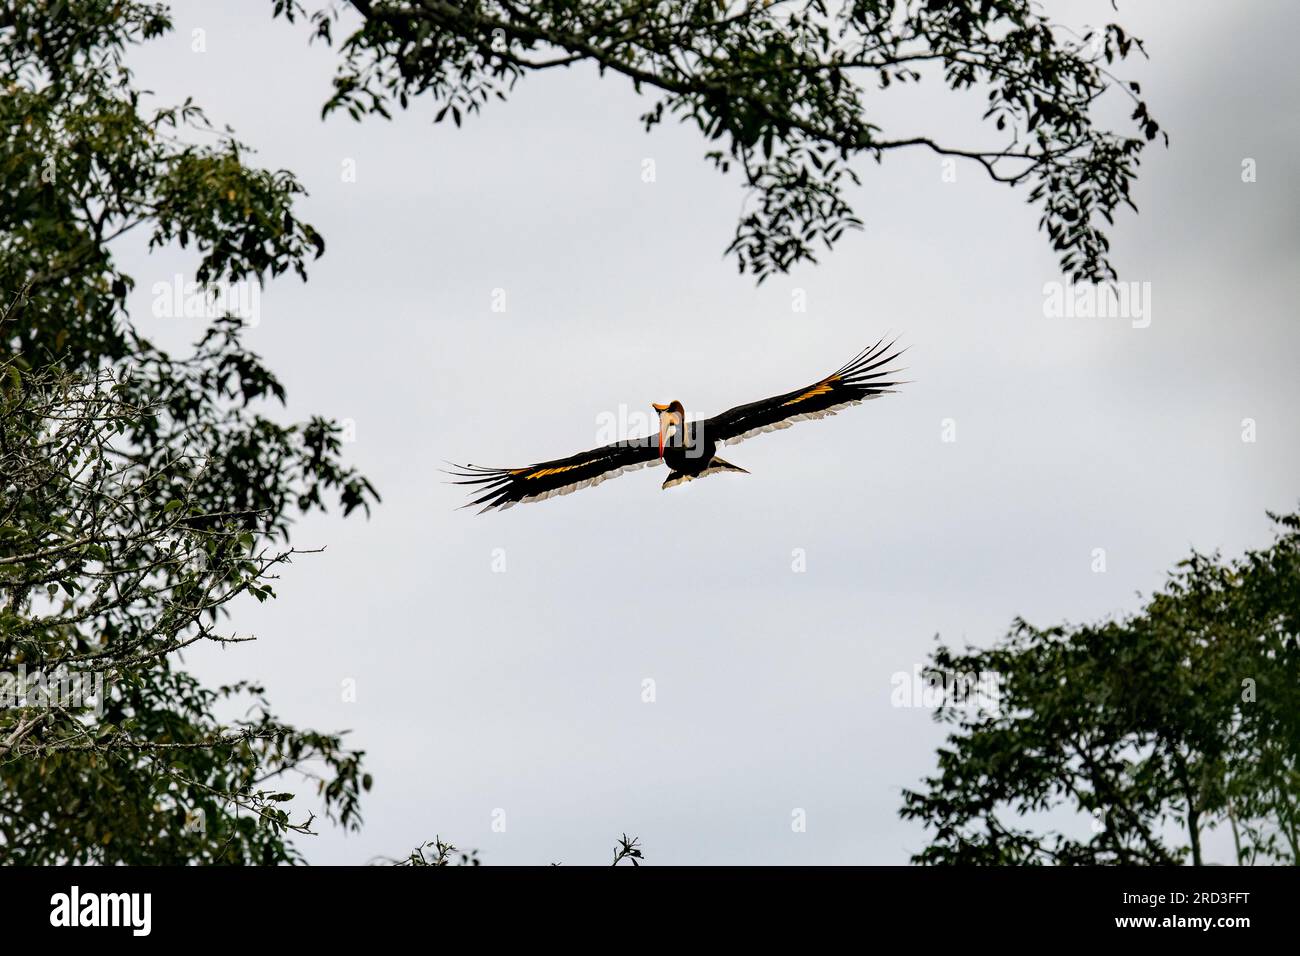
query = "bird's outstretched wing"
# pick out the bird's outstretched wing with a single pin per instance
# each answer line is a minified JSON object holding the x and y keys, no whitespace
{"x":867,"y":376}
{"x":504,"y":488}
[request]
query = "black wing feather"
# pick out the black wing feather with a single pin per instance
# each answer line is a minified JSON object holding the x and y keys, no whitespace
{"x":505,"y":487}
{"x":867,"y":376}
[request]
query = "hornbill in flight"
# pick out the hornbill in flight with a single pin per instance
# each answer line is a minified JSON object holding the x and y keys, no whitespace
{"x":688,"y":448}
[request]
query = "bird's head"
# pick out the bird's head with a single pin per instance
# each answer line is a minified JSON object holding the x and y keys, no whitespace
{"x":672,"y":420}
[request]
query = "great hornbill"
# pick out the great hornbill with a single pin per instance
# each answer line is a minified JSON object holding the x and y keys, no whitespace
{"x":688,"y":448}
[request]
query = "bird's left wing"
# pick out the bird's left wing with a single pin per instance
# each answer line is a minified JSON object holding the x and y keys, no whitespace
{"x":868,"y":376}
{"x":506,"y":487}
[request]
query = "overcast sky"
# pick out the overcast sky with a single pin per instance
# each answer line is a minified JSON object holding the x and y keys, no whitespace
{"x":480,"y":690}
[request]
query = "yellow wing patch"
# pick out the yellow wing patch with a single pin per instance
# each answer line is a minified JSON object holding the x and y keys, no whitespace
{"x":821,"y":388}
{"x":554,"y":471}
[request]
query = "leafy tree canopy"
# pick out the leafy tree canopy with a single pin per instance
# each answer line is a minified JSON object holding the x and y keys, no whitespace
{"x":124,"y":465}
{"x":786,"y":88}
{"x":1177,"y":720}
{"x":110,"y":568}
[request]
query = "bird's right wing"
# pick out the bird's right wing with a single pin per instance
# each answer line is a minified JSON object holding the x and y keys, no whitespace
{"x":868,"y":376}
{"x":506,"y":487}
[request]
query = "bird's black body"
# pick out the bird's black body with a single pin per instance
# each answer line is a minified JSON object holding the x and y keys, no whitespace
{"x":692,"y":455}
{"x":688,"y":448}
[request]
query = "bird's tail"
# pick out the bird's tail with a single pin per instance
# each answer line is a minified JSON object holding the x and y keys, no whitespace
{"x":717,"y":464}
